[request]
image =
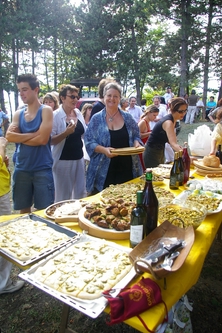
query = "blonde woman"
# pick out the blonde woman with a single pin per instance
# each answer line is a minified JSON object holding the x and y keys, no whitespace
{"x":150,"y":114}
{"x":51,"y":100}
{"x":86,"y":112}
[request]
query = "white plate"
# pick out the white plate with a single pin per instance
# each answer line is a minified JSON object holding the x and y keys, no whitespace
{"x":182,"y":197}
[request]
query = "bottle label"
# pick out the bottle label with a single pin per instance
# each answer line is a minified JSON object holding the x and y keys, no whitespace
{"x":136,"y":233}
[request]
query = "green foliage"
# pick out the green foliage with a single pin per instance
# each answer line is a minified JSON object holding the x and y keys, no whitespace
{"x":141,"y":43}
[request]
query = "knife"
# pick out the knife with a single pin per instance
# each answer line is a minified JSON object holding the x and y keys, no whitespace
{"x":165,"y":249}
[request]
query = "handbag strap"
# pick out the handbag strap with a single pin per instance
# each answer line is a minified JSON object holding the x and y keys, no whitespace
{"x":164,"y":320}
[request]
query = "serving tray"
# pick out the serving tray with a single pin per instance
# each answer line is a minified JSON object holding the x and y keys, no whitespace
{"x":165,"y":230}
{"x":128,"y":151}
{"x":92,"y":308}
{"x":50,"y":211}
{"x":27,"y":263}
{"x":199,"y":164}
{"x":96,"y":231}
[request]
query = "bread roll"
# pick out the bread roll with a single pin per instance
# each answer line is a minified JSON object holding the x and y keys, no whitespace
{"x":211,"y":161}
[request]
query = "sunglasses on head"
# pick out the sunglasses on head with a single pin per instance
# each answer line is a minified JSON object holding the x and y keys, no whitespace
{"x":73,"y":96}
{"x":182,"y":111}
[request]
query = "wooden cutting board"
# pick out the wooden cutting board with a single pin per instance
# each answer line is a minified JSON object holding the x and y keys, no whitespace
{"x":203,"y":172}
{"x":96,"y":231}
{"x":128,"y":151}
{"x":199,"y":165}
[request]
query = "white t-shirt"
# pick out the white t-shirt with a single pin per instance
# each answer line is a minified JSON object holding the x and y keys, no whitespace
{"x":135,"y":112}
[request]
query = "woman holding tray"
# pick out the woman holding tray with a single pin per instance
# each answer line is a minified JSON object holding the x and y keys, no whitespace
{"x":111,"y":128}
{"x":163,"y":132}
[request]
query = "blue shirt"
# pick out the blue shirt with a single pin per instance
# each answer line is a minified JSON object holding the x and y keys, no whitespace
{"x":96,"y":134}
{"x":32,"y":158}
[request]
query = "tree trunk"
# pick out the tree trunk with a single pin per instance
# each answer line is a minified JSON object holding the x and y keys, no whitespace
{"x":55,"y":63}
{"x":136,"y":69}
{"x":185,"y":28}
{"x":207,"y":54}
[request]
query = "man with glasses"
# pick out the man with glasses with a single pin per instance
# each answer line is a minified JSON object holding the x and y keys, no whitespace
{"x":31,"y":128}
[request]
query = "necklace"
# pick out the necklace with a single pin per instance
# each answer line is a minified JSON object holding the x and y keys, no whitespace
{"x":111,"y":117}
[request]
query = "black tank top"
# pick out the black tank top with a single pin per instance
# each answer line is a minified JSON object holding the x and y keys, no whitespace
{"x":120,"y":168}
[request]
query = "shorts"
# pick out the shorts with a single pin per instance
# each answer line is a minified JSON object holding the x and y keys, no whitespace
{"x":33,"y":187}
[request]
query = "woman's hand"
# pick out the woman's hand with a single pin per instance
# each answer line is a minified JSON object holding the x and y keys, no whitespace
{"x":137,"y":144}
{"x":105,"y":150}
{"x":70,"y":128}
{"x":108,"y":153}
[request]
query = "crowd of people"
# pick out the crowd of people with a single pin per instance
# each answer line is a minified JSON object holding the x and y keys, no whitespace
{"x":52,"y":138}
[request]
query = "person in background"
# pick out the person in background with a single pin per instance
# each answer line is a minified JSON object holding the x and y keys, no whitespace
{"x":111,"y":128}
{"x":213,"y":113}
{"x":168,"y":95}
{"x":211,"y":104}
{"x":134,"y":109}
{"x":149,"y":115}
{"x":3,"y":118}
{"x":31,"y":128}
{"x":51,"y":100}
{"x":185,"y":96}
{"x":162,"y":110}
{"x":143,"y":104}
{"x":164,"y":131}
{"x":216,"y":138}
{"x":199,"y":110}
{"x":98,"y":106}
{"x":192,"y":108}
{"x":67,"y":146}
{"x":86,"y":112}
{"x":6,"y":284}
{"x":124,"y":103}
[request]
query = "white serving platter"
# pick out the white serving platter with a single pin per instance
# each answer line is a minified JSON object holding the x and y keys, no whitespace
{"x":92,"y":308}
{"x":182,"y":197}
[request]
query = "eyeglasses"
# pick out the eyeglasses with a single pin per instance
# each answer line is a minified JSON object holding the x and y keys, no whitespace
{"x":73,"y":96}
{"x":182,"y":111}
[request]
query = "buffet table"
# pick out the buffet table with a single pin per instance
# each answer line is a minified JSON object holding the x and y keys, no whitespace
{"x":178,"y":283}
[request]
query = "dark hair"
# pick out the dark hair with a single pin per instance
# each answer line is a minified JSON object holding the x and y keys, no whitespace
{"x":176,"y":102}
{"x":143,"y":101}
{"x":66,"y":87}
{"x":31,"y":79}
{"x":162,"y":100}
{"x":132,"y":97}
{"x":193,"y":92}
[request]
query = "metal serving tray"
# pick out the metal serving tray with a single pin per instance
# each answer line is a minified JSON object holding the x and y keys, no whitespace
{"x":26,"y":264}
{"x":92,"y":308}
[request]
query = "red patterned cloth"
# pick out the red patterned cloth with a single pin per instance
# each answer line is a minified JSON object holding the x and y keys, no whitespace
{"x":134,"y":300}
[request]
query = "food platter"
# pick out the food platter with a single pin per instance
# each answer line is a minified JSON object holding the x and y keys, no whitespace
{"x":127,"y":192}
{"x":206,"y":184}
{"x":128,"y":151}
{"x":90,"y":307}
{"x":156,"y":179}
{"x":66,"y":210}
{"x":199,"y":164}
{"x":41,"y":238}
{"x":162,"y":170}
{"x":211,"y":201}
{"x":94,"y":230}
